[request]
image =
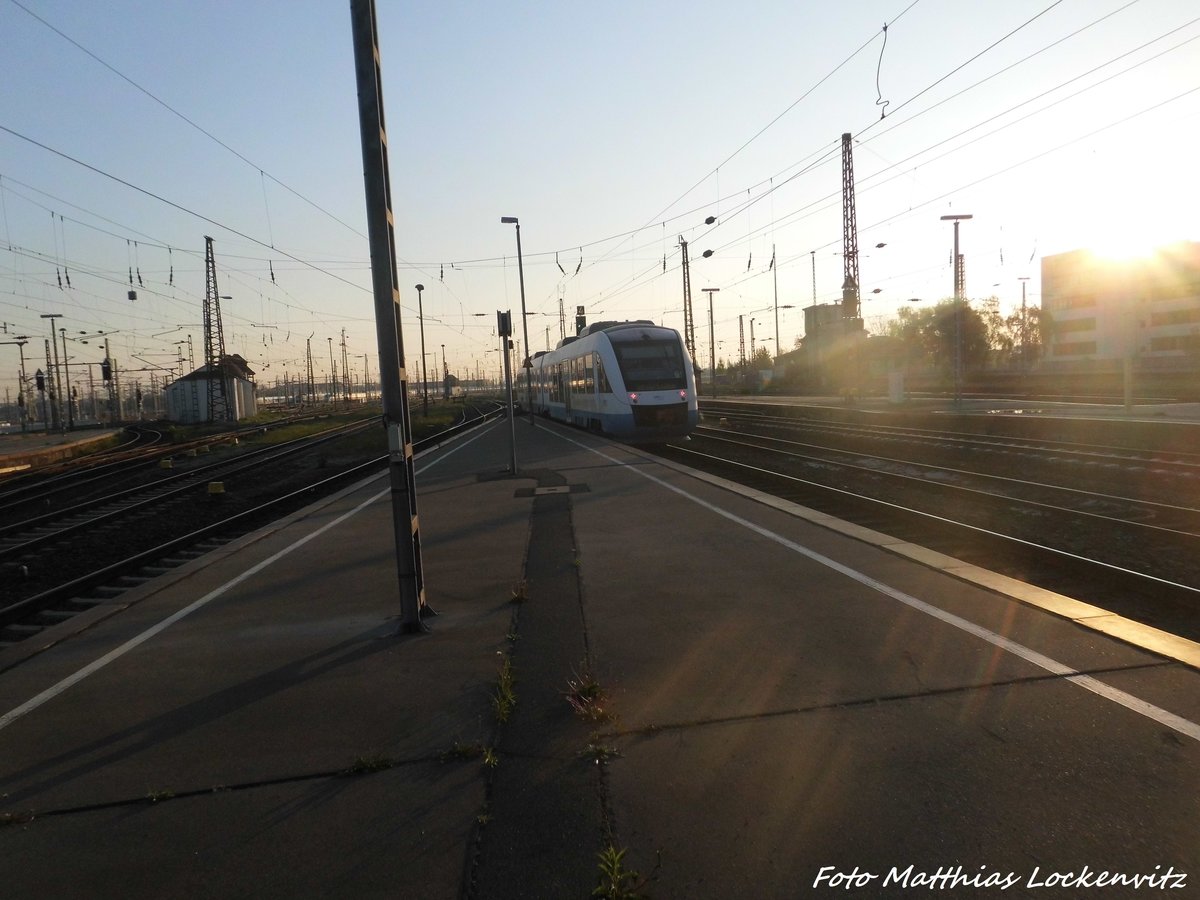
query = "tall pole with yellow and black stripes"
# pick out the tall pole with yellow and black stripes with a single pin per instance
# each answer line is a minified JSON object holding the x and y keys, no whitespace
{"x":385,"y":286}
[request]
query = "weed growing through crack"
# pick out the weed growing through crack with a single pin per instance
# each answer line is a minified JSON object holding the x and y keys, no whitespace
{"x":615,"y":881}
{"x":520,"y":592}
{"x":364,"y":765}
{"x":599,"y":753}
{"x":460,"y":750}
{"x":159,"y":796}
{"x":587,"y":698}
{"x":504,"y":698}
{"x":490,"y":758}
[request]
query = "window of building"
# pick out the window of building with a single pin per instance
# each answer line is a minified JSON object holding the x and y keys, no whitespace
{"x":1077,"y":348}
{"x":1175,"y":317}
{"x":1066,"y":326}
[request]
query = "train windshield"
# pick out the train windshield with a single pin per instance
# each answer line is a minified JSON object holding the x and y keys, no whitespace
{"x":650,"y":365}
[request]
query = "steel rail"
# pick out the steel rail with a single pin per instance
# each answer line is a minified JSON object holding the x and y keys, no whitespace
{"x":154,"y":494}
{"x":876,"y":431}
{"x":26,"y":607}
{"x":943,"y":520}
{"x":1150,"y":505}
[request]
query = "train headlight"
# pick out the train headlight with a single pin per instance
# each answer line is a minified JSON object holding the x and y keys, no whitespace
{"x":683,"y":395}
{"x":632,"y":397}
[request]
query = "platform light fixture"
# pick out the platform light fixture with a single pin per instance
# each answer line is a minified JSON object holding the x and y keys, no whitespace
{"x":424,"y":371}
{"x":712,"y":343}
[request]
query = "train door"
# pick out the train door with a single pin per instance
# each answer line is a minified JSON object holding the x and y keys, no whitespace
{"x":603,"y":388}
{"x":569,"y":386}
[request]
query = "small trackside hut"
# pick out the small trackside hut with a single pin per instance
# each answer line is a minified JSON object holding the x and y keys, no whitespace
{"x":630,"y":380}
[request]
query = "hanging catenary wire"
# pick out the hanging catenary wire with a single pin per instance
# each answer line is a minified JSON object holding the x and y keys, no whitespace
{"x":879,"y":101}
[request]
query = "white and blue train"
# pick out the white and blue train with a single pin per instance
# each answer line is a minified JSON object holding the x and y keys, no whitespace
{"x":631,"y":380}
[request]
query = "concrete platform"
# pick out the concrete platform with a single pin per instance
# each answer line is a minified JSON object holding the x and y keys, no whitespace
{"x":786,"y":701}
{"x":24,"y":450}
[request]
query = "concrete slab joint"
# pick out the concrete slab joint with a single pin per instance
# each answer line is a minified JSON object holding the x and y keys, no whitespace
{"x":544,"y":774}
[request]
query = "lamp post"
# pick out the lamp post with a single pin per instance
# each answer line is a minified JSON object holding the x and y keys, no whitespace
{"x":528,"y":366}
{"x":712,"y":342}
{"x":775,"y":279}
{"x":958,"y":354}
{"x":424,"y":372}
{"x":1024,"y":326}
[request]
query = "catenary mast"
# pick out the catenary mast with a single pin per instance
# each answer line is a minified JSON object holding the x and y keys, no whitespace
{"x":219,"y":409}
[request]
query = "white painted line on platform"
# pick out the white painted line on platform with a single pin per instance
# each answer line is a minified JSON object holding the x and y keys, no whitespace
{"x":1184,"y":726}
{"x":50,"y":693}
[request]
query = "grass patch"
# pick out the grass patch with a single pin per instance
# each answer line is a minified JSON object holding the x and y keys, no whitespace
{"x":520,"y":592}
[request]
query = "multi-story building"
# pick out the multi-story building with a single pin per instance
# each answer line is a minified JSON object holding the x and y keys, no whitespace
{"x":1098,"y":313}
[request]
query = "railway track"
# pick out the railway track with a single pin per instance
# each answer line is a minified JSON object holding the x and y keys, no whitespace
{"x":136,"y":451}
{"x":23,"y":538}
{"x":1109,"y":526}
{"x":81,"y":558}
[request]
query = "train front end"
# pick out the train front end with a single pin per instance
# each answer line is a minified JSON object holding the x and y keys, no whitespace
{"x":658,"y":383}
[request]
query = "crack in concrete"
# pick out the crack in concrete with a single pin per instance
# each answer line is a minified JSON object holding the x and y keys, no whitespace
{"x":874,"y":701}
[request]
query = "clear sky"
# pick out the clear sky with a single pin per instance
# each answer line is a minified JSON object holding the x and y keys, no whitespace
{"x":130,"y":130}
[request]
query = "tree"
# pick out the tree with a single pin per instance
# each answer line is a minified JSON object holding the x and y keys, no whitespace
{"x":926,"y":336}
{"x":1000,"y":336}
